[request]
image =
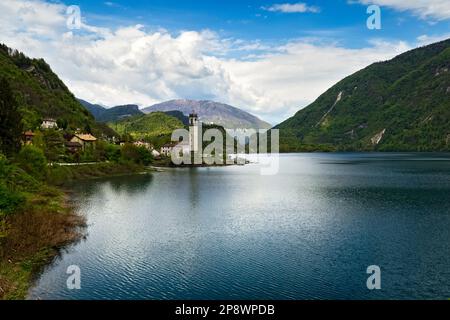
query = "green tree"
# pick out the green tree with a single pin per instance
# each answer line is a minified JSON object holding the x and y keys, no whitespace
{"x":3,"y":166}
{"x":54,"y":144}
{"x":138,"y":155}
{"x":9,"y":200}
{"x":145,"y":156}
{"x":130,"y":153}
{"x":11,"y":126}
{"x":100,"y":151}
{"x":113,"y":152}
{"x":33,"y":161}
{"x":87,"y":128}
{"x":62,"y":124}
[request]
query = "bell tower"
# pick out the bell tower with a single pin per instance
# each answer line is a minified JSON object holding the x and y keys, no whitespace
{"x":194,"y":133}
{"x":193,"y":119}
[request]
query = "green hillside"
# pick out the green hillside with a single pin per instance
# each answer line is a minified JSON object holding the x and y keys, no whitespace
{"x":40,"y":93}
{"x":399,"y":105}
{"x":156,"y":127}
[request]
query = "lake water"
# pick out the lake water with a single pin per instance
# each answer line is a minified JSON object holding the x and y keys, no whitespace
{"x":309,"y":232}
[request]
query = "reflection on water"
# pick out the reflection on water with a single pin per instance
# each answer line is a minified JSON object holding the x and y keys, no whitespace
{"x":229,"y":233}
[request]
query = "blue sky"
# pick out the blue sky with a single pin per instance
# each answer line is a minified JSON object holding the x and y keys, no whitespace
{"x":338,"y":20}
{"x":270,"y":58}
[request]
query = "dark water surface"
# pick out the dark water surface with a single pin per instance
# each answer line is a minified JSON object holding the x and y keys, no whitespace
{"x":309,"y":232}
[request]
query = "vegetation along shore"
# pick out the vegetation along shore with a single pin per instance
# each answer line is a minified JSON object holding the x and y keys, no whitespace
{"x":36,"y":216}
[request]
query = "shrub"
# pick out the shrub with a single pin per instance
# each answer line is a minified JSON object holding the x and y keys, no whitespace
{"x":33,"y":161}
{"x":3,"y":166}
{"x":145,"y":156}
{"x":99,"y":153}
{"x":139,"y":155}
{"x":130,"y":153}
{"x":113,"y":152}
{"x":9,"y":200}
{"x":58,"y":175}
{"x":20,"y":181}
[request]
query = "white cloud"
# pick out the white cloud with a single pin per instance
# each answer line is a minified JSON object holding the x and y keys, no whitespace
{"x":110,"y":4}
{"x":425,"y":9}
{"x":292,"y":8}
{"x":425,"y":39}
{"x":133,"y":65}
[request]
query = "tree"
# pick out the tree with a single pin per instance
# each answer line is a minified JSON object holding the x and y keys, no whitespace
{"x":54,"y":144}
{"x":33,"y":161}
{"x":87,"y":128}
{"x":113,"y":152}
{"x":130,"y":153}
{"x":145,"y":156}
{"x":11,"y":126}
{"x":62,"y":124}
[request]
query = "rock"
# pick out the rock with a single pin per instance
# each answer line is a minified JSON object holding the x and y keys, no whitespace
{"x":376,"y":139}
{"x":338,"y":98}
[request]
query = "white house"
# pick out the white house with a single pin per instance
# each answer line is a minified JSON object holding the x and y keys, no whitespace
{"x":143,"y":144}
{"x":167,"y":148}
{"x":49,"y":123}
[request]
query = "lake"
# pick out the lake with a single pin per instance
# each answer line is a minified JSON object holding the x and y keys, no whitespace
{"x":309,"y":232}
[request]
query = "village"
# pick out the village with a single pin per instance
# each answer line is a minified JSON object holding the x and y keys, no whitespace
{"x":80,"y":146}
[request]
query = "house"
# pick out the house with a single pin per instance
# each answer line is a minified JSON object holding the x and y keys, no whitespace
{"x":183,"y":147}
{"x":167,"y":148}
{"x":28,"y":137}
{"x":73,"y":147}
{"x":49,"y":123}
{"x":87,"y":141}
{"x":143,"y":144}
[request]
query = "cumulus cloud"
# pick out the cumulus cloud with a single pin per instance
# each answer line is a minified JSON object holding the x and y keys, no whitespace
{"x":425,"y":9}
{"x":134,"y":65}
{"x":292,"y":8}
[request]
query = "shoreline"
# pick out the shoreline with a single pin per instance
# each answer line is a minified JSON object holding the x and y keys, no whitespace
{"x":46,"y":224}
{"x":36,"y":236}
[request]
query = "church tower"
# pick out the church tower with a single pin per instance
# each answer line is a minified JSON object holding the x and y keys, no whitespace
{"x":194,"y":133}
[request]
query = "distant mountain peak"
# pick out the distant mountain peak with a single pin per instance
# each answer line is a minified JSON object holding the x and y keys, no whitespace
{"x":103,"y":114}
{"x":212,"y":112}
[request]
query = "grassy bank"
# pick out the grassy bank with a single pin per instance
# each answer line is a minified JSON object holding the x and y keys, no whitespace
{"x":36,"y":219}
{"x":32,"y":237}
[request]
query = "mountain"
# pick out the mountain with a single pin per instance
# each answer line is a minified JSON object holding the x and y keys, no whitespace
{"x":397,"y":105}
{"x":211,"y":112}
{"x":95,"y":109}
{"x":40,"y":93}
{"x":103,"y":114}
